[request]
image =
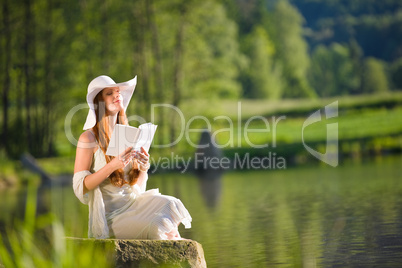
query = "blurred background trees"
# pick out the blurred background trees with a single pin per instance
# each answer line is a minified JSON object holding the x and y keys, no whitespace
{"x":185,"y":50}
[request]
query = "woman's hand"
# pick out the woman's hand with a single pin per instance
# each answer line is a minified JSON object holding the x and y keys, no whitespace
{"x":123,"y":159}
{"x":142,"y":159}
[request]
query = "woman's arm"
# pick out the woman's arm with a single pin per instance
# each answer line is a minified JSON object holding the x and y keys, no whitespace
{"x":83,"y":159}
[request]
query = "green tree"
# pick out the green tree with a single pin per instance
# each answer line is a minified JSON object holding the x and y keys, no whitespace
{"x":212,"y":58}
{"x":285,"y":26}
{"x":246,"y":13}
{"x":198,"y":54}
{"x":356,"y":56}
{"x":332,"y":72}
{"x":396,"y":74}
{"x":263,"y":74}
{"x":374,"y":76}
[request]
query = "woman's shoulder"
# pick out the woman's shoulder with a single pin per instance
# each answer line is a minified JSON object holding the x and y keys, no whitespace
{"x":87,"y":136}
{"x":87,"y":140}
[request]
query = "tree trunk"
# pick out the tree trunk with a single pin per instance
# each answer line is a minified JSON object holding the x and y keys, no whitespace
{"x":47,"y":125}
{"x":158,"y":70}
{"x":105,"y":40}
{"x":6,"y":83}
{"x":178,"y":70}
{"x":28,"y":72}
{"x":88,"y":51}
{"x":140,"y":57}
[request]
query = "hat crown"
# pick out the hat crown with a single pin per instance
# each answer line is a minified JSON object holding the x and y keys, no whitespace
{"x":100,"y":82}
{"x":97,"y":85}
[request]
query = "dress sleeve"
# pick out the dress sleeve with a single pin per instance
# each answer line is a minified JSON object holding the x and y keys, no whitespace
{"x":97,"y":223}
{"x":144,"y":185}
{"x":78,"y":186}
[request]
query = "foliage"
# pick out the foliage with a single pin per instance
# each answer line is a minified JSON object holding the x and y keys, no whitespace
{"x":396,"y":74}
{"x":375,"y":25}
{"x":291,"y":49}
{"x":332,"y":72}
{"x":374,"y":76}
{"x":39,"y":241}
{"x":212,"y":59}
{"x":50,"y":62}
{"x":263,"y":76}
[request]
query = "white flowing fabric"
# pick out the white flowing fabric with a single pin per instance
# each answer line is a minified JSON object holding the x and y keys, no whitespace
{"x":128,"y":212}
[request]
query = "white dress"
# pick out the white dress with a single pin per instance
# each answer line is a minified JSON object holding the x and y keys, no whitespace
{"x":128,"y":212}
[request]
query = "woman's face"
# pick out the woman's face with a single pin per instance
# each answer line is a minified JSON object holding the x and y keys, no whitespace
{"x":113,"y":100}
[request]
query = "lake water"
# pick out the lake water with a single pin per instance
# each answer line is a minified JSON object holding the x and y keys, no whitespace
{"x":306,"y":216}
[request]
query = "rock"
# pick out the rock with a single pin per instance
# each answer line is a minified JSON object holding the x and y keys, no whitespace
{"x":151,"y":253}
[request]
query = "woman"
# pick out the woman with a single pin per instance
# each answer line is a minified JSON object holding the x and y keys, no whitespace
{"x":114,"y":187}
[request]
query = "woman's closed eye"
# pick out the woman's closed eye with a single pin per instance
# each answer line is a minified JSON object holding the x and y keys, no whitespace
{"x":109,"y":93}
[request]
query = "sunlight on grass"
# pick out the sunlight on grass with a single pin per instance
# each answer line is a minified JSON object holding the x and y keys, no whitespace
{"x":38,"y":241}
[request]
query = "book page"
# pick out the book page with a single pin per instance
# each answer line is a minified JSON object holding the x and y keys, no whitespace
{"x":146,"y":136}
{"x":124,"y":136}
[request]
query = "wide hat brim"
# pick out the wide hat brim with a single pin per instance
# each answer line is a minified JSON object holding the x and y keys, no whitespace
{"x":97,"y":85}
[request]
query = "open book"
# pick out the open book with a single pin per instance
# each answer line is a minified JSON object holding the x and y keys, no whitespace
{"x":124,"y":136}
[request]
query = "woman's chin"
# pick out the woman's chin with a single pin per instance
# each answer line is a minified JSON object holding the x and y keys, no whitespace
{"x":115,"y":108}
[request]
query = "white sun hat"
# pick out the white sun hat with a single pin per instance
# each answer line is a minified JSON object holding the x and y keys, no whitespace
{"x":97,"y":85}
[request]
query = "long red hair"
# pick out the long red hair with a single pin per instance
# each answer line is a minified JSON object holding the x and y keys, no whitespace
{"x":101,"y":131}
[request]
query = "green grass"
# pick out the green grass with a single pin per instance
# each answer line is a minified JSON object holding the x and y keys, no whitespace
{"x":368,"y":123}
{"x":37,"y":240}
{"x":360,"y":117}
{"x":285,"y":107}
{"x":7,"y":166}
{"x":374,"y":128}
{"x":57,"y":165}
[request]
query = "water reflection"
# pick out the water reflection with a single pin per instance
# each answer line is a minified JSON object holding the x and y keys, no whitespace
{"x":210,"y":178}
{"x":210,"y":182}
{"x":365,"y":239}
